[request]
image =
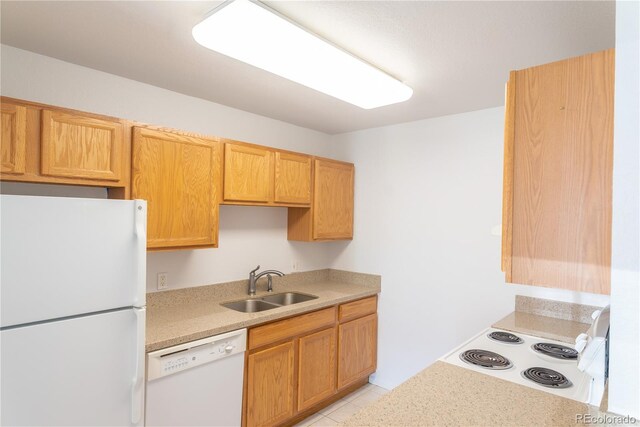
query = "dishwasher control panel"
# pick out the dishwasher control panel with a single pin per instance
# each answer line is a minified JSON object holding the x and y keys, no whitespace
{"x":184,"y":356}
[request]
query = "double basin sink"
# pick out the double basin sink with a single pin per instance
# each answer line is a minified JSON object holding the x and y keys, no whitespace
{"x":268,"y":302}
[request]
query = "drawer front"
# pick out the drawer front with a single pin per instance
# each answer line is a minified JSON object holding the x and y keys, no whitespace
{"x":356,"y":309}
{"x":288,"y":328}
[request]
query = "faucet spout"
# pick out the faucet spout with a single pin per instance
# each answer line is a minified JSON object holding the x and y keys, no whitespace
{"x":253,"y":278}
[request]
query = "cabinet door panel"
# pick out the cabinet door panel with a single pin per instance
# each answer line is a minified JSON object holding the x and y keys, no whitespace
{"x":316,"y":368}
{"x":562,"y":174}
{"x":176,"y":174}
{"x":357,"y":349}
{"x":293,"y":178}
{"x":13,"y":138}
{"x":333,"y":200}
{"x":247,"y":174}
{"x":77,"y":146}
{"x":270,"y":385}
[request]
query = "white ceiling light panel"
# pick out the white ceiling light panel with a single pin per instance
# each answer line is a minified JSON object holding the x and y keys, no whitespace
{"x":250,"y":32}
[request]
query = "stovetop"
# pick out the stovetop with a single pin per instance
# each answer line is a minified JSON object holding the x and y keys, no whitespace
{"x":512,"y":357}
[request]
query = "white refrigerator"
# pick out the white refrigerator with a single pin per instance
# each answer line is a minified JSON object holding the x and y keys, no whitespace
{"x":72,"y":291}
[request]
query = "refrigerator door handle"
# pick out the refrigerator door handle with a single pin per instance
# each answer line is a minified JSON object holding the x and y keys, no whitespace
{"x":137,"y":386}
{"x":141,"y":252}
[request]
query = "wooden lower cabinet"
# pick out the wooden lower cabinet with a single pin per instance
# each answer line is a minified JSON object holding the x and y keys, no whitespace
{"x":298,"y":365}
{"x":270,"y":385}
{"x":316,"y":368}
{"x":357,"y":349}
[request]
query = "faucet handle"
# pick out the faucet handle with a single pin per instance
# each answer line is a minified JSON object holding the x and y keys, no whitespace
{"x":254,"y":270}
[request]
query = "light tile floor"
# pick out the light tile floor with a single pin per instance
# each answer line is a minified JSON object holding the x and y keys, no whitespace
{"x":344,"y":408}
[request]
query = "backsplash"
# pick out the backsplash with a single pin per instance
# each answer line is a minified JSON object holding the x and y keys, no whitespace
{"x":556,"y":309}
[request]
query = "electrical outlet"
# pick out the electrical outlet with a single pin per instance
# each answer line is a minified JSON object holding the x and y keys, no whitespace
{"x":296,"y":266}
{"x":163,"y":281}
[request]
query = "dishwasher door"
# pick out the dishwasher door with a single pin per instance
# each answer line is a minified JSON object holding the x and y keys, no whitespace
{"x":198,"y":383}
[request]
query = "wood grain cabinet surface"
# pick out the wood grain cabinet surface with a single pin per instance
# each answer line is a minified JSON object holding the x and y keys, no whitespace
{"x":14,"y":136}
{"x":77,"y":146}
{"x":558,"y":174}
{"x":316,"y":368}
{"x":331,"y":214}
{"x":179,"y":177}
{"x":248,"y":173}
{"x":45,"y":144}
{"x":301,"y":364}
{"x":270,"y":385}
{"x":292,"y":178}
{"x":357,"y":349}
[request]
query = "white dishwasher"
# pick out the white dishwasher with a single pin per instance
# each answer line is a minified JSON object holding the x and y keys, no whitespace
{"x":198,"y":383}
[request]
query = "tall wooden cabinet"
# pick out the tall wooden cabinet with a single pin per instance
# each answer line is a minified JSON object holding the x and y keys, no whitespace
{"x":558,"y":174}
{"x":179,"y":175}
{"x":331,"y":214}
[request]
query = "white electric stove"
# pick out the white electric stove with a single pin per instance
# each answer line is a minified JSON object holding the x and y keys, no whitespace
{"x":546,"y":365}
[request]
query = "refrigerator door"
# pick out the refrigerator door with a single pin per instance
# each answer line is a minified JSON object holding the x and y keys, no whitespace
{"x":83,"y":371}
{"x":65,"y":256}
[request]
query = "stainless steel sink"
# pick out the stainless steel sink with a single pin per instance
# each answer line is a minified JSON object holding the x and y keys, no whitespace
{"x":288,"y":298}
{"x":249,"y":305}
{"x":268,"y":302}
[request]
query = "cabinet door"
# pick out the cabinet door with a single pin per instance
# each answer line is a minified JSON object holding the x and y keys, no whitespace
{"x":357,"y":349}
{"x":292,"y":178}
{"x":562,"y":174}
{"x":248,"y":174}
{"x":13,"y":138}
{"x":270,"y":385}
{"x":333,"y":200}
{"x":316,"y":368}
{"x":178,"y":176}
{"x":77,"y":146}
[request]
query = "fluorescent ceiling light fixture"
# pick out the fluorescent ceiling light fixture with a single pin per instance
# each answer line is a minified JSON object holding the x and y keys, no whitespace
{"x":250,"y":32}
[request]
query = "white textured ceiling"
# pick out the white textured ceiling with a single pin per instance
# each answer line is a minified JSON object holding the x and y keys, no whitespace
{"x":455,"y":55}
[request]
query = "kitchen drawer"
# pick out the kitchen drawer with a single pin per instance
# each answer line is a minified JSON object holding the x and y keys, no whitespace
{"x":355,"y":309}
{"x":291,"y":327}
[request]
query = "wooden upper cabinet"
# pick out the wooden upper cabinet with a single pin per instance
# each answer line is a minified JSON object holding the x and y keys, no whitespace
{"x":14,"y":135}
{"x":333,"y":200}
{"x":179,"y":176}
{"x":292,"y":178}
{"x":558,"y":174}
{"x":80,"y":146}
{"x":270,"y":385}
{"x":248,"y":173}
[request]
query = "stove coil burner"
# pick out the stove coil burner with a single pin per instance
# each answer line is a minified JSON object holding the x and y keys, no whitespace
{"x":556,"y":351}
{"x":505,"y":337}
{"x":547,"y":377}
{"x":485,"y":359}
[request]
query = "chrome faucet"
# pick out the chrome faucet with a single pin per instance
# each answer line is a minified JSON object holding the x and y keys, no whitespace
{"x":253,"y":278}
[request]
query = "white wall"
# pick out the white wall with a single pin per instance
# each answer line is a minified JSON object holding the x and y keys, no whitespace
{"x":624,"y":380}
{"x":428,"y":194}
{"x":248,"y":235}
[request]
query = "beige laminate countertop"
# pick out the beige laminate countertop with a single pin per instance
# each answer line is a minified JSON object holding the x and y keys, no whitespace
{"x":196,"y":313}
{"x":448,"y":395}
